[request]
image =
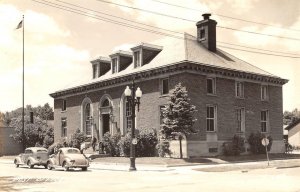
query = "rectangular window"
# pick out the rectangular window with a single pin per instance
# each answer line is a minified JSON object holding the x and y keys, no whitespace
{"x":202,"y":33}
{"x":63,"y":127}
{"x":165,"y":86}
{"x":264,"y":92}
{"x":239,"y":89}
{"x":128,"y":116}
{"x":240,"y":117}
{"x":94,"y":71}
{"x":137,"y":60}
{"x":211,"y":118}
{"x":114,"y":65}
{"x":211,"y":85}
{"x":264,"y":121}
{"x":64,"y":105}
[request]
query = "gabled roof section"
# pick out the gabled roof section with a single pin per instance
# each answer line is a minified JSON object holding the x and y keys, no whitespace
{"x":178,"y":50}
{"x":292,"y":125}
{"x":196,"y":52}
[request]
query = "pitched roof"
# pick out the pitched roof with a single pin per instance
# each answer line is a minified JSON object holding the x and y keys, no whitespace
{"x":292,"y":125}
{"x":177,"y":50}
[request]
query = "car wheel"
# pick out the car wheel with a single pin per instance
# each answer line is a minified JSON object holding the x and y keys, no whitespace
{"x":84,"y":168}
{"x":49,"y":166}
{"x":30,"y":165}
{"x":16,"y":163}
{"x":66,"y":168}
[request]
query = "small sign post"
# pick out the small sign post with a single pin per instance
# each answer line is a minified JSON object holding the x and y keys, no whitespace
{"x":265,"y":142}
{"x":134,"y":141}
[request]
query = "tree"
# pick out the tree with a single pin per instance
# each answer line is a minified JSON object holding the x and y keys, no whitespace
{"x":290,"y":117}
{"x":44,"y":112}
{"x":178,"y":115}
{"x":34,"y":132}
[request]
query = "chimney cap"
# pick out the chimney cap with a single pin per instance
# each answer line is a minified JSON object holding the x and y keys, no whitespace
{"x":206,"y":15}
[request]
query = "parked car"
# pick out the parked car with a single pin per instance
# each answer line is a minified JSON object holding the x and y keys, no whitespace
{"x":67,"y":158}
{"x":32,"y":156}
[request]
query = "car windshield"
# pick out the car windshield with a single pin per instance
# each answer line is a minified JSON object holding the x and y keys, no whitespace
{"x":73,"y":151}
{"x":42,"y":151}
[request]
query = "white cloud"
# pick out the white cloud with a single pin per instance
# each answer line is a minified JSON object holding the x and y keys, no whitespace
{"x":48,"y":59}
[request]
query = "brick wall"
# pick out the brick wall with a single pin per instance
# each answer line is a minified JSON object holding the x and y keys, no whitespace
{"x":149,"y":116}
{"x":8,"y":146}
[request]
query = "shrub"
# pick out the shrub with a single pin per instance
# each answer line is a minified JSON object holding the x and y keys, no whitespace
{"x":124,"y":145}
{"x":163,"y":149}
{"x":76,"y":139}
{"x":111,"y":144}
{"x":256,"y":146}
{"x":235,"y":147}
{"x":147,"y":141}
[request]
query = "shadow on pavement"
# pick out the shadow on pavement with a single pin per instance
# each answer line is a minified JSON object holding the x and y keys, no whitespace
{"x":8,"y":184}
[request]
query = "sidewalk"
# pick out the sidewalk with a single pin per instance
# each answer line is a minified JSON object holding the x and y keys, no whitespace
{"x":206,"y":164}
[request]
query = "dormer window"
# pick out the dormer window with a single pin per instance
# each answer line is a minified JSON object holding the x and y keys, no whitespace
{"x":137,"y":59}
{"x":94,"y":71}
{"x":144,"y":53}
{"x":114,"y":67}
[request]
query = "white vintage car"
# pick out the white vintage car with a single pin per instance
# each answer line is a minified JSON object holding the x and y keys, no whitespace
{"x":67,"y":158}
{"x":32,"y":156}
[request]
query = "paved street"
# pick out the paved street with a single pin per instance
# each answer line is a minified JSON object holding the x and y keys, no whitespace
{"x":101,"y":177}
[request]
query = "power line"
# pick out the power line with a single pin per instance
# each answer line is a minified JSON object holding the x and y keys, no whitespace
{"x":258,"y":48}
{"x":244,"y":20}
{"x":74,"y":5}
{"x":257,"y":52}
{"x":256,"y":33}
{"x":117,"y":17}
{"x":79,"y":12}
{"x":189,"y":20}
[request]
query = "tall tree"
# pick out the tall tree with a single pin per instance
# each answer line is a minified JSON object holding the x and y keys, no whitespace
{"x":178,"y":115}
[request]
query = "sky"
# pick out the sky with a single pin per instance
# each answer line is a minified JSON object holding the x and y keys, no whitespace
{"x":59,"y":44}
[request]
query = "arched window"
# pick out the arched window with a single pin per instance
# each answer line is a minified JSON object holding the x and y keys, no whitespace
{"x":105,"y":103}
{"x":87,"y":116}
{"x":88,"y":119}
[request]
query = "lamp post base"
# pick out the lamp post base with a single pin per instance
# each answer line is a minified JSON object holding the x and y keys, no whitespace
{"x":132,"y":164}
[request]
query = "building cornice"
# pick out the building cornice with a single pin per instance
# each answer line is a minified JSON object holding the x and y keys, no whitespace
{"x":183,"y":66}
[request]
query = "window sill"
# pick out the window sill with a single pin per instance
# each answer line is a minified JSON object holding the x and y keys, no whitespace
{"x":211,"y":132}
{"x":239,"y":97}
{"x":265,"y":100}
{"x":211,"y":94}
{"x":165,"y":95}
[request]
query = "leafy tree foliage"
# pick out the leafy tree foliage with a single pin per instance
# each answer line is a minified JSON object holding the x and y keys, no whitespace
{"x":43,"y":112}
{"x":38,"y":133}
{"x":34,"y":132}
{"x":290,"y":117}
{"x":178,"y":114}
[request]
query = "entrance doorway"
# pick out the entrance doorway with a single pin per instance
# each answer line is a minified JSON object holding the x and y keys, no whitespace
{"x":105,"y":123}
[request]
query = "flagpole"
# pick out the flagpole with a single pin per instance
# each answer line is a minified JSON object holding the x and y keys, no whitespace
{"x":23,"y":110}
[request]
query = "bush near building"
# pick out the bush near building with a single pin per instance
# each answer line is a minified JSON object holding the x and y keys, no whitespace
{"x":115,"y":145}
{"x":256,"y":146}
{"x":235,"y":147}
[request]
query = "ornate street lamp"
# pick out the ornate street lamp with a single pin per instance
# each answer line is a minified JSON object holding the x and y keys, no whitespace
{"x":133,"y":97}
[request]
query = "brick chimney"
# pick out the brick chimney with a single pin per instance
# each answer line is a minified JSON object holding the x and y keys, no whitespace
{"x":206,"y":32}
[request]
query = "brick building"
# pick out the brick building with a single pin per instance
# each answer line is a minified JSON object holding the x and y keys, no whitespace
{"x":231,"y":95}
